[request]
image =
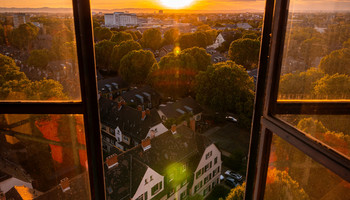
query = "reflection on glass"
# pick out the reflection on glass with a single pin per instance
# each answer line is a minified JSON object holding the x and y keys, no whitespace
{"x":316,"y":56}
{"x":43,"y":156}
{"x":38,"y":59}
{"x":293,"y":175}
{"x":333,"y":130}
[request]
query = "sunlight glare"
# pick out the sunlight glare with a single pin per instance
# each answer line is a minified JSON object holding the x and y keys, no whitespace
{"x":176,"y":4}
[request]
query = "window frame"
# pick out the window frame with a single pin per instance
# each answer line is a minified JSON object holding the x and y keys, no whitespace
{"x":88,"y":106}
{"x":265,"y":123}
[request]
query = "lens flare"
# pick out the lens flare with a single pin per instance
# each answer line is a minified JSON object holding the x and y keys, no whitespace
{"x":176,"y":4}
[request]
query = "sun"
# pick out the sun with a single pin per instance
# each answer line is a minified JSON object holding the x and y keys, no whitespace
{"x":176,"y":4}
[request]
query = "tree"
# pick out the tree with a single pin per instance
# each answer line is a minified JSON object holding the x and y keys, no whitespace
{"x":2,"y":35}
{"x":138,"y":34}
{"x":337,"y":61}
{"x":310,"y":49}
{"x":132,"y":33}
{"x":346,"y":44}
{"x":226,"y":87}
{"x":174,"y":74}
{"x":333,"y":86}
{"x":39,"y":58}
{"x":245,"y":52}
{"x":121,"y":36}
{"x":202,"y":58}
{"x":279,"y":185}
{"x":102,"y":33}
{"x":237,"y":193}
{"x":22,"y":36}
{"x":197,"y":39}
{"x":119,"y":51}
{"x":14,"y":84}
{"x":250,"y":35}
{"x":58,"y":44}
{"x":171,"y":35}
{"x":204,"y":27}
{"x":103,"y":51}
{"x":152,"y":39}
{"x":300,"y":83}
{"x":136,"y":65}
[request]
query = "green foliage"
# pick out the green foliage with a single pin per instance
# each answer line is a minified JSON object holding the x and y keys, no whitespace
{"x":245,"y":52}
{"x":335,"y":86}
{"x":136,"y":65}
{"x":203,"y":27}
{"x":102,"y":33}
{"x":250,"y":35}
{"x":311,"y":49}
{"x":138,"y":34}
{"x":39,"y":58}
{"x":119,"y":51}
{"x":59,"y":45}
{"x":2,"y":35}
{"x":226,"y":87}
{"x":121,"y":36}
{"x":237,"y":193}
{"x":300,"y":83}
{"x":219,"y":191}
{"x":337,"y":61}
{"x":335,"y":35}
{"x":22,"y":36}
{"x":229,"y":39}
{"x":197,"y":39}
{"x":174,"y":74}
{"x":14,"y":85}
{"x":311,"y":126}
{"x":171,"y":35}
{"x":132,"y":33}
{"x":103,"y":51}
{"x":185,"y":117}
{"x":152,"y":38}
{"x":195,"y":197}
{"x":281,"y":186}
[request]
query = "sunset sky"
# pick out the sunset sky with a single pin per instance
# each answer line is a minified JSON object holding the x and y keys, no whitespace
{"x":195,"y":5}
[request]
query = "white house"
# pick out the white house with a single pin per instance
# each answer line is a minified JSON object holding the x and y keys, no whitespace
{"x":119,"y":19}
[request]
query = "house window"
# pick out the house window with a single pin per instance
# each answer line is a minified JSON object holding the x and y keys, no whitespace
{"x":183,"y":195}
{"x":146,"y":181}
{"x":215,"y":160}
{"x":208,"y":155}
{"x":155,"y":189}
{"x":199,"y":173}
{"x":140,"y":197}
{"x":125,"y":138}
{"x":146,"y":195}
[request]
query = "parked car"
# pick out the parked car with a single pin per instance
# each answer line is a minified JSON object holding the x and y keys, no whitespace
{"x":234,"y":175}
{"x":231,"y":182}
{"x":231,"y":119}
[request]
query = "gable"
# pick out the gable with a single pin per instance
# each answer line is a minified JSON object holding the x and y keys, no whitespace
{"x":149,"y":179}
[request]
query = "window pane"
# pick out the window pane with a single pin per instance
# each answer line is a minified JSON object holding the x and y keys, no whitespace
{"x":330,"y":129}
{"x":293,"y":175}
{"x":43,"y":156}
{"x":316,"y":52}
{"x":38,"y":58}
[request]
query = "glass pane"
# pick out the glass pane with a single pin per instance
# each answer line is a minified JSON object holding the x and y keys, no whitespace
{"x":165,"y":64}
{"x":43,"y":157}
{"x":316,"y":52}
{"x":293,"y":175}
{"x":330,"y":129}
{"x":38,"y":58}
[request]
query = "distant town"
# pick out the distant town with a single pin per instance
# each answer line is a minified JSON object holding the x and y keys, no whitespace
{"x":176,"y":94}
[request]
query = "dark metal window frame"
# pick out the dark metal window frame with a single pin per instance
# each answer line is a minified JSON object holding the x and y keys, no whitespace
{"x":88,"y":106}
{"x":265,"y":122}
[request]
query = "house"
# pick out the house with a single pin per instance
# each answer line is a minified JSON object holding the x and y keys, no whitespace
{"x":245,"y":26}
{"x":221,"y":38}
{"x":125,"y":127}
{"x":179,"y":108}
{"x":112,"y":87}
{"x":145,"y":96}
{"x":172,"y":166}
{"x":165,"y":50}
{"x":216,"y":56}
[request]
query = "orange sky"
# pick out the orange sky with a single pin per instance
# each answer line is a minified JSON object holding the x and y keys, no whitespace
{"x":197,"y":4}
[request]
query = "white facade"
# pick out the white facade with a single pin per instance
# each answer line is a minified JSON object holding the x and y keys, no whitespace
{"x":218,"y":42}
{"x":156,"y":130}
{"x":119,"y":19}
{"x":208,"y":171}
{"x":150,"y":179}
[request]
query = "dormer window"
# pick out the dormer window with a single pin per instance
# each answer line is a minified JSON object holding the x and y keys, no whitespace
{"x":146,"y":181}
{"x":151,"y":178}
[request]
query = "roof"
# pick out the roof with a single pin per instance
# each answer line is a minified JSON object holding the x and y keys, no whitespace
{"x":79,"y":189}
{"x":102,"y":82}
{"x":146,"y":92}
{"x":184,"y":147}
{"x":178,"y":108}
{"x":127,"y":119}
{"x":228,"y":34}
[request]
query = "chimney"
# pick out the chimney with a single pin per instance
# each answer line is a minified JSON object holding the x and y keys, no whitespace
{"x":112,"y":161}
{"x":65,"y":184}
{"x":139,"y":108}
{"x":143,"y":116}
{"x":146,"y":144}
{"x":120,"y":105}
{"x":173,"y":129}
{"x":153,"y":134}
{"x":193,"y":124}
{"x":148,"y":111}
